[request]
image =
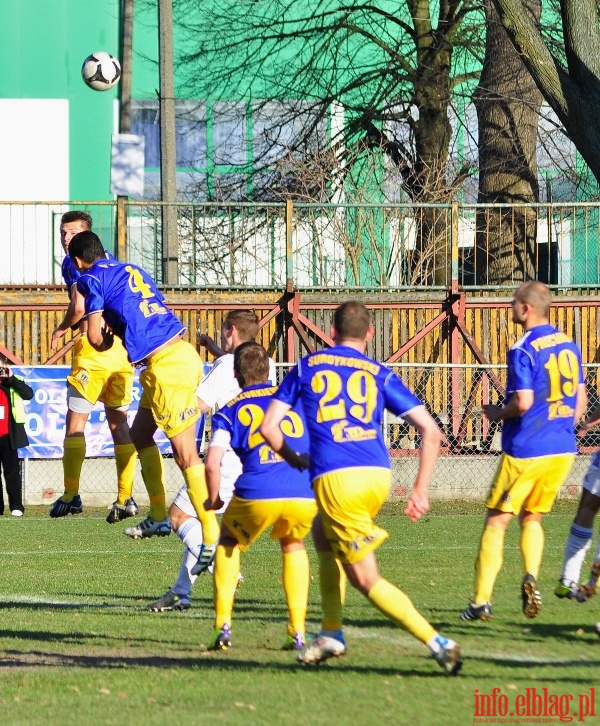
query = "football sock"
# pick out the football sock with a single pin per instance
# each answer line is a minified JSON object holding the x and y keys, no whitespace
{"x":73,"y":458}
{"x":198,"y":493}
{"x":227,"y":570}
{"x":332,"y":580}
{"x":399,"y":608}
{"x":125,"y":458}
{"x":532,"y":547}
{"x":488,"y":563}
{"x":295,"y":585}
{"x":152,"y":474}
{"x":576,"y":548}
{"x":190,"y":533}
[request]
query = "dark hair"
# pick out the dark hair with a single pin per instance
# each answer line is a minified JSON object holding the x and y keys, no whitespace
{"x":245,"y":321}
{"x":351,"y":321}
{"x":251,"y":364}
{"x":87,"y":246}
{"x":76,"y":216}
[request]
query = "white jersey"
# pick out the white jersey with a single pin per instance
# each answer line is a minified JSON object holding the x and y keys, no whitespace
{"x":216,"y":389}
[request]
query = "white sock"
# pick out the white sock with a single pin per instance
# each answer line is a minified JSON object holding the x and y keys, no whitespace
{"x":576,"y":547}
{"x":190,"y":533}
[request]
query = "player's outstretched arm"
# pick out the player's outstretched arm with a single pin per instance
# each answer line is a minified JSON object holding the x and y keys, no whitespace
{"x":205,"y":341}
{"x":75,"y":312}
{"x":431,"y":438}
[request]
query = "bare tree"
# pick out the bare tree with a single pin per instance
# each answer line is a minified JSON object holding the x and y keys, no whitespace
{"x":508,"y":106}
{"x":572,"y":87}
{"x":392,"y":74}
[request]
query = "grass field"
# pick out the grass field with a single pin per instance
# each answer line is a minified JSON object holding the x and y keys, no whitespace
{"x":77,"y":646}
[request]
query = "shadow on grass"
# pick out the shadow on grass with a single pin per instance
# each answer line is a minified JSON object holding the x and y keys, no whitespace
{"x":218,"y":661}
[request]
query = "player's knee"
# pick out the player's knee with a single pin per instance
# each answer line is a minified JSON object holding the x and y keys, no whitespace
{"x":177,"y":516}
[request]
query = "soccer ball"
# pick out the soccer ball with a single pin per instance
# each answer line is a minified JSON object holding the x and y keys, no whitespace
{"x":101,"y":71}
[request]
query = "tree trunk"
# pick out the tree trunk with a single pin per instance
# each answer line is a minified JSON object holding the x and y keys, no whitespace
{"x":508,"y":104}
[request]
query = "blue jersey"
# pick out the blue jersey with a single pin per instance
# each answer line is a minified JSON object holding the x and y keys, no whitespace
{"x":344,"y":394}
{"x":265,"y":475}
{"x":548,"y":363}
{"x":71,"y":274}
{"x":132,"y":306}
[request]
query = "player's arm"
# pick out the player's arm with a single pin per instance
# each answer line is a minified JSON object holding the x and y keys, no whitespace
{"x":272,"y":434}
{"x":75,"y":312}
{"x":99,"y":336}
{"x":203,"y":407}
{"x":431,"y":438}
{"x":519,"y":403}
{"x":205,"y":341}
{"x":212,"y":466}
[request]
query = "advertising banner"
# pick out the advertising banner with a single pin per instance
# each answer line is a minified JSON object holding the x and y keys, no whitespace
{"x":47,"y":411}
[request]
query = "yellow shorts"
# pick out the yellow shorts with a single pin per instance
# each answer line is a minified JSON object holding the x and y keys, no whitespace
{"x":105,"y":377}
{"x":247,"y":519}
{"x":348,"y":499}
{"x":170,"y":381}
{"x":530,"y":484}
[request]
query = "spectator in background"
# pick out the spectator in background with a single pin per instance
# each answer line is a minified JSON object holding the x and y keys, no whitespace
{"x":13,"y":391}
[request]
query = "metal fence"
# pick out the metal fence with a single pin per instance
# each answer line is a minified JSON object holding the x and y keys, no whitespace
{"x":454,"y":394}
{"x":323,"y":246}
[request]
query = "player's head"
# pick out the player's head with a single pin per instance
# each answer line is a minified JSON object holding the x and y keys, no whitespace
{"x":85,"y":248}
{"x":250,"y":364}
{"x":71,"y":223}
{"x":531,"y":303}
{"x":240,"y":326}
{"x":352,"y":322}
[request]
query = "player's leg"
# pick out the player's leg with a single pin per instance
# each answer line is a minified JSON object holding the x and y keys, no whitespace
{"x":580,"y":539}
{"x":590,"y":504}
{"x":78,"y":412}
{"x":290,"y":528}
{"x":125,"y":460}
{"x":189,"y":530}
{"x":227,"y":568}
{"x":488,"y":564}
{"x":186,"y":457}
{"x":332,"y":582}
{"x":548,"y":474}
{"x":142,"y":435}
{"x":532,"y":547}
{"x":295,"y":577}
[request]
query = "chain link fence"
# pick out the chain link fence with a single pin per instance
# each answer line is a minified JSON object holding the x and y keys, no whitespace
{"x":454,"y":394}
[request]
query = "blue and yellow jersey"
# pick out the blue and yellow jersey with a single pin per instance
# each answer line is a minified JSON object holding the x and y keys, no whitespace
{"x":344,"y":394}
{"x":71,"y":274}
{"x":131,"y":305}
{"x":265,"y":475}
{"x":548,"y":363}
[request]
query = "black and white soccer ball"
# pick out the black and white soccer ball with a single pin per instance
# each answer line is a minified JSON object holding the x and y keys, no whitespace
{"x":101,"y":71}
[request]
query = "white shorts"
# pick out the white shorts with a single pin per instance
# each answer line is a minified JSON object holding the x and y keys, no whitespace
{"x":591,"y":480}
{"x":231,"y":468}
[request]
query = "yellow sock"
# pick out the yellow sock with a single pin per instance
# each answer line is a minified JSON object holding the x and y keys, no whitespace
{"x":532,"y":547}
{"x":196,"y":486}
{"x":73,"y":457}
{"x":332,"y":579}
{"x":227,"y":569}
{"x":399,"y":608}
{"x":125,"y":458}
{"x":295,"y":585}
{"x":152,"y":474}
{"x":488,"y":564}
